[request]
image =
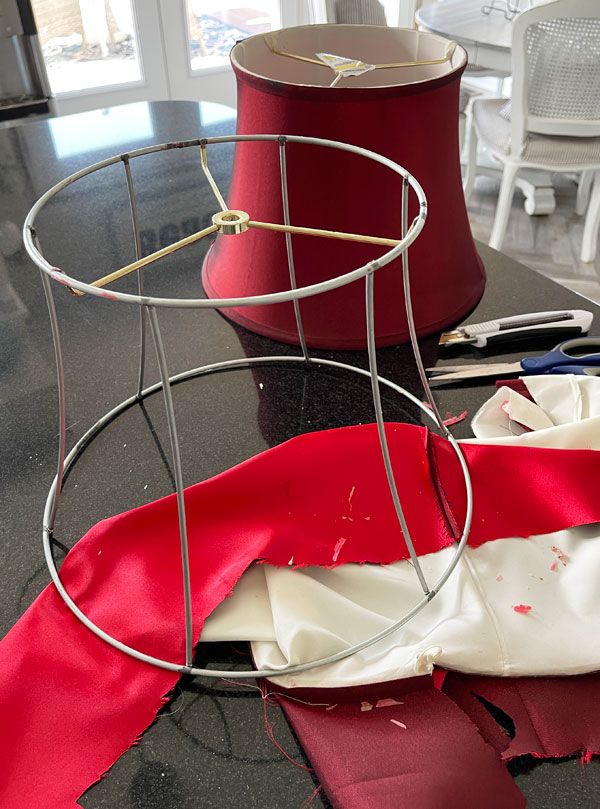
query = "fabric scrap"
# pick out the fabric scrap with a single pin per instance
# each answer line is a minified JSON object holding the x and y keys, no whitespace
{"x":439,"y":761}
{"x":553,"y":716}
{"x":93,"y":701}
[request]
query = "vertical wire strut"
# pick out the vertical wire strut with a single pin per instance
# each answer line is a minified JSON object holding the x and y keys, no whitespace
{"x":60,"y":378}
{"x":209,"y":177}
{"x":385,"y":451}
{"x":140,"y":279}
{"x":409,"y":314}
{"x":288,"y":244}
{"x":185,"y":563}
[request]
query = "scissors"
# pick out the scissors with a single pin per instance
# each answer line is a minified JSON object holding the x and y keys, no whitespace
{"x":578,"y":356}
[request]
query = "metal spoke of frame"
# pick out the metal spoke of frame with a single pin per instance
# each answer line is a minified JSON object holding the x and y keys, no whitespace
{"x":209,"y":177}
{"x":410,"y":317}
{"x":384,"y":65}
{"x":328,"y":234}
{"x":140,"y":275}
{"x":170,"y":411}
{"x":288,"y":245}
{"x":385,"y":451}
{"x":150,"y":259}
{"x":200,"y":234}
{"x":60,"y":377}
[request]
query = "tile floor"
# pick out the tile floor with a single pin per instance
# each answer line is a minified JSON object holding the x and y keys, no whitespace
{"x":549,"y":244}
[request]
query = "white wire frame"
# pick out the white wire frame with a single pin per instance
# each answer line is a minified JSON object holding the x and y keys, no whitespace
{"x":148,"y":306}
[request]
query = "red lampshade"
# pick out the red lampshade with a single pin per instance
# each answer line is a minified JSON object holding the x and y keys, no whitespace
{"x":409,"y":114}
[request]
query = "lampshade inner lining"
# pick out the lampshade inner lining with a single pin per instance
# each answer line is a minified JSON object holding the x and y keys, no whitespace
{"x":274,"y":56}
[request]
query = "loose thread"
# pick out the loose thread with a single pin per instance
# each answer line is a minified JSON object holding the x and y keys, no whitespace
{"x":240,"y":652}
{"x":238,"y":683}
{"x":272,"y":696}
{"x":309,"y":801}
{"x":275,"y":696}
{"x":174,"y":701}
{"x":271,"y":733}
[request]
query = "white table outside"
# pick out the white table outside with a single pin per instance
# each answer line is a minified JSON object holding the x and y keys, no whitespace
{"x":485,"y":37}
{"x":487,"y":40}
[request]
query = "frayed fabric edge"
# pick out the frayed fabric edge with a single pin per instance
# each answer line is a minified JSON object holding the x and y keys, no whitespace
{"x":134,"y":743}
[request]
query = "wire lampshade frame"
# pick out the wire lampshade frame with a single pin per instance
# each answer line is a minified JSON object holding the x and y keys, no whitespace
{"x":232,"y":222}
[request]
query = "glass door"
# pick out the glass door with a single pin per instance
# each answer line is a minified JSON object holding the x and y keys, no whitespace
{"x":100,"y":53}
{"x":200,"y":33}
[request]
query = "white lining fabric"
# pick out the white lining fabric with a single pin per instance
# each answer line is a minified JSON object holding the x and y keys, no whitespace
{"x":292,"y":616}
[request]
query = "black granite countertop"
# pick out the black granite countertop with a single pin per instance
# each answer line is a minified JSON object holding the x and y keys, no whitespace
{"x":208,"y":747}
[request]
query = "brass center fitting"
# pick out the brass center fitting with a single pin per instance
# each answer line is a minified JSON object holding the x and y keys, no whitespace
{"x":231,"y":222}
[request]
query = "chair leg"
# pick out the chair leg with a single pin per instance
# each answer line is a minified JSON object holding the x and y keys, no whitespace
{"x":583,"y":191}
{"x":471,"y":169}
{"x":592,"y":223}
{"x":507,"y":189}
{"x":462,"y":128}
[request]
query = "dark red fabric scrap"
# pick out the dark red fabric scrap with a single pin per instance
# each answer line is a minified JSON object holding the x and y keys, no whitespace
{"x":73,"y":704}
{"x":517,"y":385}
{"x":458,"y":688}
{"x":553,"y":716}
{"x":438,"y":761}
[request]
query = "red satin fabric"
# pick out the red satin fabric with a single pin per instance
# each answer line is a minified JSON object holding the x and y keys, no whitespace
{"x":73,"y":704}
{"x":553,"y":716}
{"x":366,"y":761}
{"x":450,"y":754}
{"x":415,"y":125}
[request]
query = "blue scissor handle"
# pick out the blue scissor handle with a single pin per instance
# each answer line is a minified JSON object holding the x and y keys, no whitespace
{"x":579,"y":352}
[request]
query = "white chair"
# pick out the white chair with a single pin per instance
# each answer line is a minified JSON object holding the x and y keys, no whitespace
{"x":592,"y":223}
{"x":355,"y":12}
{"x":553,"y":119}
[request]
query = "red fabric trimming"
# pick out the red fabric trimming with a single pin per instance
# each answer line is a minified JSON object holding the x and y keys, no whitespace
{"x":74,"y":704}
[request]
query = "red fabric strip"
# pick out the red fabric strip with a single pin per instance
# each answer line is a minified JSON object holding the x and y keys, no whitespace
{"x":457,"y":688}
{"x":434,"y":759}
{"x":553,"y":716}
{"x":70,"y":705}
{"x":73,"y":704}
{"x":520,"y":493}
